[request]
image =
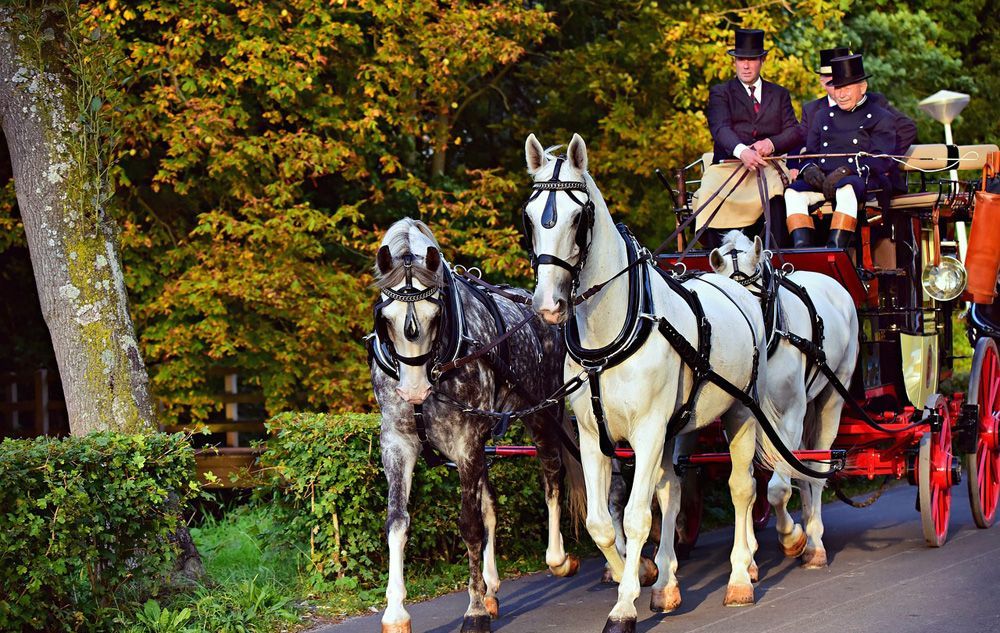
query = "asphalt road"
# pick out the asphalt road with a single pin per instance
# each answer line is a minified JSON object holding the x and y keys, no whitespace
{"x":881,"y":578}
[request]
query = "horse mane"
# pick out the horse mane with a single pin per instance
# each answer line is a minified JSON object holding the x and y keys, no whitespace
{"x":409,"y":237}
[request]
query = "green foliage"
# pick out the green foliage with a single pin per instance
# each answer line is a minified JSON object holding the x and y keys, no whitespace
{"x":247,"y":543}
{"x":153,"y":619}
{"x":85,"y":519}
{"x":326,"y":474}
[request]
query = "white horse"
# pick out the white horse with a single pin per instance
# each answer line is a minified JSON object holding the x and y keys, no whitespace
{"x":810,"y":406}
{"x":641,"y":378}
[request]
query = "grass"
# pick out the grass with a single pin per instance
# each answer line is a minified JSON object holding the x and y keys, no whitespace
{"x":250,"y":585}
{"x":257,"y":583}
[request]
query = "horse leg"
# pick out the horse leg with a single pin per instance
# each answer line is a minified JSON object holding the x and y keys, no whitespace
{"x":648,"y":446}
{"x":490,"y":574}
{"x":779,"y":491}
{"x":472,"y":478}
{"x":742,"y":445}
{"x":828,"y":408}
{"x":553,"y":468}
{"x":617,"y":499}
{"x":666,"y":591}
{"x":597,"y":474}
{"x":399,"y":455}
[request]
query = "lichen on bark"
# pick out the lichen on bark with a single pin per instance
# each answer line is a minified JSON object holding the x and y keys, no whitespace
{"x":54,"y":84}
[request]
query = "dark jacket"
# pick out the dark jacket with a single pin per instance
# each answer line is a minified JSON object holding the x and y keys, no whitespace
{"x":810,"y":110}
{"x":905,"y":133}
{"x":732,"y":121}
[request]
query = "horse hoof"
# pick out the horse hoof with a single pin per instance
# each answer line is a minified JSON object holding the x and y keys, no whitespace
{"x":619,"y":626}
{"x":665,"y":599}
{"x":397,"y":627}
{"x":738,"y":595}
{"x":569,"y":567}
{"x":814,"y":559}
{"x":795,"y":549}
{"x":648,"y":573}
{"x":476,"y":624}
{"x":492,"y":606}
{"x":754,"y":572}
{"x":606,"y":577}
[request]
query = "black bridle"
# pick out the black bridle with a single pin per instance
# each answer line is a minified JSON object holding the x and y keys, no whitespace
{"x":550,"y":217}
{"x":738,"y":275}
{"x":408,"y":294}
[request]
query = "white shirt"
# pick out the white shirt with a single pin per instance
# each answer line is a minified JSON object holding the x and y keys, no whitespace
{"x":757,"y":87}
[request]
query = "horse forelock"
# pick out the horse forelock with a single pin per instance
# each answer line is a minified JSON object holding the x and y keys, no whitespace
{"x":409,"y":237}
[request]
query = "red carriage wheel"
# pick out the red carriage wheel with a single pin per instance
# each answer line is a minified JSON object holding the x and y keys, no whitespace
{"x":983,"y":466}
{"x":689,"y":517}
{"x":761,"y":511}
{"x":934,"y":475}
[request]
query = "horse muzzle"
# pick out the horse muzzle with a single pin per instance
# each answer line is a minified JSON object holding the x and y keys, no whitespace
{"x":414,"y":395}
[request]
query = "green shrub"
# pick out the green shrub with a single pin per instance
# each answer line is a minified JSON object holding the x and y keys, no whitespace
{"x":326,"y":472}
{"x":84,"y":520}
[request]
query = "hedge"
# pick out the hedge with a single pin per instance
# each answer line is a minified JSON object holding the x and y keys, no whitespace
{"x":85,"y":520}
{"x":325,"y":471}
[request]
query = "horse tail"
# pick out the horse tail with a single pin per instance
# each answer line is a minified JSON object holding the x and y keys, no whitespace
{"x":575,"y":486}
{"x":767,"y":454}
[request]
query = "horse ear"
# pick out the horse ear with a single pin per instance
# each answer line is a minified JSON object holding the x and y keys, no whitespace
{"x":758,"y":246}
{"x":433,"y":259}
{"x":715,"y":260}
{"x":577,"y":153}
{"x":384,"y":260}
{"x":534,"y":154}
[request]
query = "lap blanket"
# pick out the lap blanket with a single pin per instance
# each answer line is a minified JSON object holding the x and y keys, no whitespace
{"x":743,"y":206}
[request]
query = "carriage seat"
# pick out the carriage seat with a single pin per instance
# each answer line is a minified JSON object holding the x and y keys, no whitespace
{"x":930,"y":156}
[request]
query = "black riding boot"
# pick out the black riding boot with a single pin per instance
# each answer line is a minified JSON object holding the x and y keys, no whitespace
{"x":840,"y":238}
{"x":802,"y":237}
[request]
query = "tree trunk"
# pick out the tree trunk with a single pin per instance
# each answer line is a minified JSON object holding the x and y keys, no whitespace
{"x":442,"y":132}
{"x":60,"y":177}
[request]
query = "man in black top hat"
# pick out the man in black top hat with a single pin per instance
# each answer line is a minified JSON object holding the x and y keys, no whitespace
{"x":906,"y":129}
{"x":751,"y":119}
{"x":811,"y":108}
{"x":857,"y":124}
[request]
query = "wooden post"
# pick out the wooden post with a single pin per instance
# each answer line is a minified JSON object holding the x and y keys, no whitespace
{"x":41,"y":402}
{"x":681,"y":204}
{"x":232,"y":410}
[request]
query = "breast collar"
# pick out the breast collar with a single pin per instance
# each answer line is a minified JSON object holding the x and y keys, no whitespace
{"x":635,"y":330}
{"x":448,"y":343}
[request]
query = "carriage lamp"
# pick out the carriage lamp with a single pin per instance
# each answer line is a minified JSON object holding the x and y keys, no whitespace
{"x":945,"y":281}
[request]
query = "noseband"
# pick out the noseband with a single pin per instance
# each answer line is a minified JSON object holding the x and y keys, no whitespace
{"x":408,"y":294}
{"x":738,"y":275}
{"x":550,"y":217}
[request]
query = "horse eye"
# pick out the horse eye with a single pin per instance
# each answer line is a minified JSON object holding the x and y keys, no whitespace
{"x":576,"y":219}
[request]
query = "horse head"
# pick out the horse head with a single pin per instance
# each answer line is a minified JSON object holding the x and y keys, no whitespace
{"x":558,"y":221}
{"x":410,"y":277}
{"x":737,"y":257}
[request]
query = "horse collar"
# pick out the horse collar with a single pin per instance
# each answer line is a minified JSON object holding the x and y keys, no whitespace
{"x":635,"y":330}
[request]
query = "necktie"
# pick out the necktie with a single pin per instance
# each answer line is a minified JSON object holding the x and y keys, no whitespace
{"x":756,"y":104}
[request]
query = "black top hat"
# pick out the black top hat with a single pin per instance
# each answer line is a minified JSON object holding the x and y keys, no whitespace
{"x":828,"y":54}
{"x":749,"y":43}
{"x":847,"y":70}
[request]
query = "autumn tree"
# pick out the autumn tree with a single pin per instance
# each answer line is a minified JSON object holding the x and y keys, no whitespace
{"x":53,"y":82}
{"x":266,"y":146}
